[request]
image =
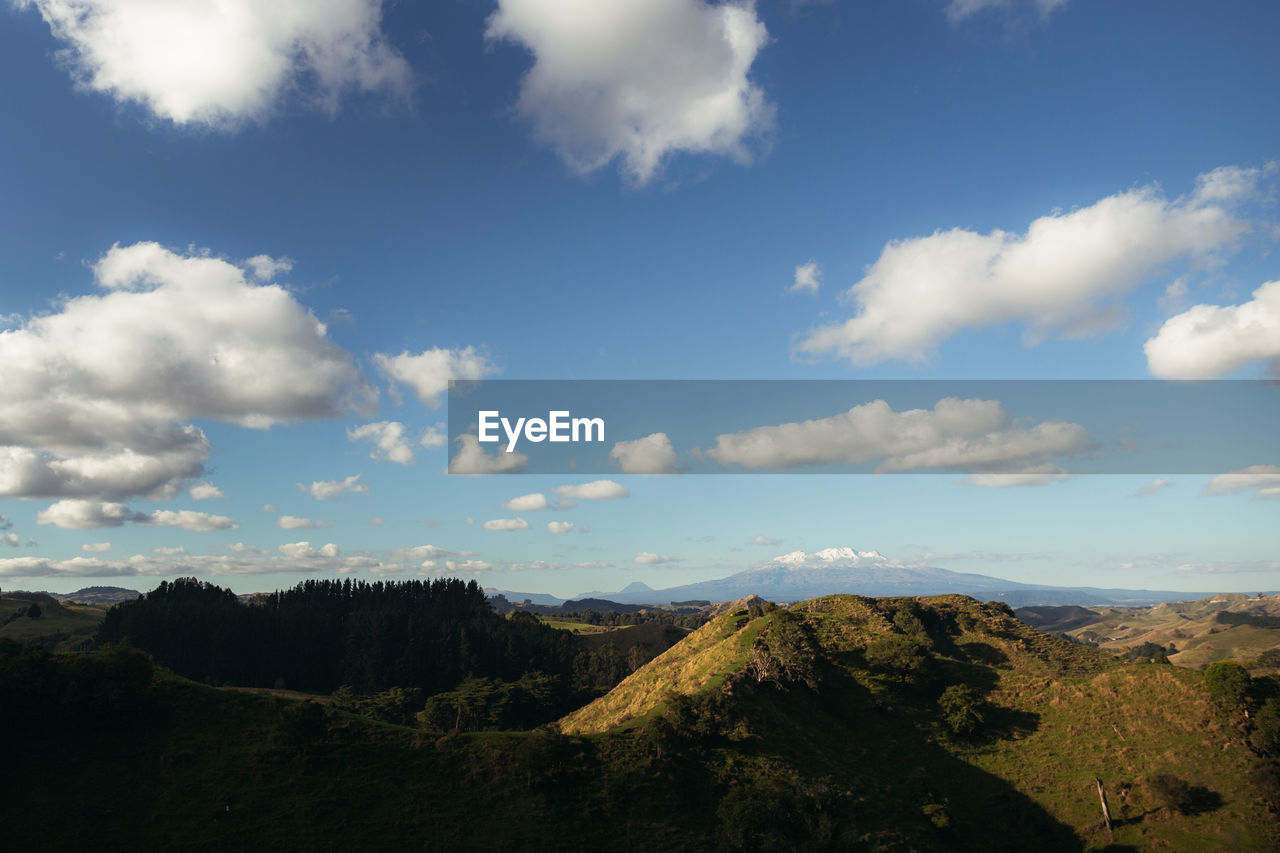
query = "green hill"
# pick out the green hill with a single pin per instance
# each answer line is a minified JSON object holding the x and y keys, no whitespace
{"x":835,"y":724}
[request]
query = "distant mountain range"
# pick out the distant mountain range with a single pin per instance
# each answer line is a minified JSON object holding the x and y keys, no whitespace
{"x":799,"y":575}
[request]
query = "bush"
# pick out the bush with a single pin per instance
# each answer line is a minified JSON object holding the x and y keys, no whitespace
{"x":898,"y":653}
{"x":1227,"y":682}
{"x":1266,"y":727}
{"x":961,"y":708}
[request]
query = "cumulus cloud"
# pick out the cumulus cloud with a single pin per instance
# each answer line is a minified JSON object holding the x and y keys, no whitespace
{"x":471,"y":458}
{"x":596,"y":490}
{"x":1035,"y":475}
{"x":652,"y":454}
{"x":190,"y":520}
{"x":300,"y":550}
{"x":389,"y":441}
{"x":78,"y":514}
{"x":808,"y":277}
{"x":1208,"y":341}
{"x":95,"y":547}
{"x":327,"y":490}
{"x":764,"y":540}
{"x":527,"y":503}
{"x":506,"y":524}
{"x":204,"y":492}
{"x":1262,"y":480}
{"x":166,"y":551}
{"x":637,"y":79}
{"x":1063,"y":276}
{"x":955,"y":434}
{"x":434,"y":437}
{"x":427,"y":374}
{"x":1153,"y":487}
{"x":218,"y":64}
{"x":5,"y":523}
{"x":265,"y":267}
{"x":13,"y":540}
{"x":559,"y":526}
{"x":648,"y":558}
{"x":289,"y":522}
{"x":75,"y":514}
{"x":959,"y":10}
{"x":99,"y":393}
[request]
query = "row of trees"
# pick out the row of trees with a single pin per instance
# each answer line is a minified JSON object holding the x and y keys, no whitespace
{"x":425,"y":635}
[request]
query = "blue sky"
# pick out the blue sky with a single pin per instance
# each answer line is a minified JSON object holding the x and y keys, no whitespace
{"x":240,"y":257}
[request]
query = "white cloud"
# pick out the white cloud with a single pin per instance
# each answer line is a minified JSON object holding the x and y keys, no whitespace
{"x":765,"y":540}
{"x":421,"y":552}
{"x":428,"y":373}
{"x":267,"y":508}
{"x":300,"y":550}
{"x":1063,"y":277}
{"x":652,"y":454}
{"x":204,"y":492}
{"x":389,"y":441}
{"x":527,"y":503}
{"x":220,"y":62}
{"x":808,"y":277}
{"x":506,"y":524}
{"x":170,"y":551}
{"x":265,"y":267}
{"x":958,"y":10}
{"x":1035,"y":475}
{"x":955,"y":434}
{"x":190,"y":520}
{"x":559,"y":526}
{"x":434,"y":437}
{"x":289,"y":522}
{"x":470,"y":458}
{"x":1153,"y":487}
{"x":327,"y":490}
{"x":637,"y":79}
{"x":648,"y":558}
{"x":1208,"y":341}
{"x":376,"y":521}
{"x":95,"y":547}
{"x":99,"y":393}
{"x":469,"y":567}
{"x":13,"y":540}
{"x":596,"y":490}
{"x":5,"y":523}
{"x":1262,"y":480}
{"x":76,"y":514}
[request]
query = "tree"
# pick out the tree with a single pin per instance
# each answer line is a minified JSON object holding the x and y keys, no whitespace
{"x":34,"y":610}
{"x":961,"y":708}
{"x":1227,"y":682}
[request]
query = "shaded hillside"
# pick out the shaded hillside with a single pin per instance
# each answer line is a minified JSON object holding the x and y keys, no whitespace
{"x":58,"y":627}
{"x":1227,"y":626}
{"x":985,"y":715}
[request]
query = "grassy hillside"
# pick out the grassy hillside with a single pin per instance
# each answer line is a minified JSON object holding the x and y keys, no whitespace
{"x":1055,"y":715}
{"x":1227,"y":626}
{"x":836,"y":724}
{"x":60,"y":627}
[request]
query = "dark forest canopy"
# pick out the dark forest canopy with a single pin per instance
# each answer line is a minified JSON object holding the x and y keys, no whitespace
{"x":321,"y":634}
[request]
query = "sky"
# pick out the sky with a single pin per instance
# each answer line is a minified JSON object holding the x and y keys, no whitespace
{"x":244,"y":247}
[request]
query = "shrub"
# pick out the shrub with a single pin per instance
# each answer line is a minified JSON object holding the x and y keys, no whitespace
{"x":898,"y":652}
{"x":1227,"y":682}
{"x":1266,"y":727}
{"x":961,"y":708}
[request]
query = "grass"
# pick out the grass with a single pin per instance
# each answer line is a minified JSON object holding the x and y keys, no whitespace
{"x":575,"y":627}
{"x":60,"y":627}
